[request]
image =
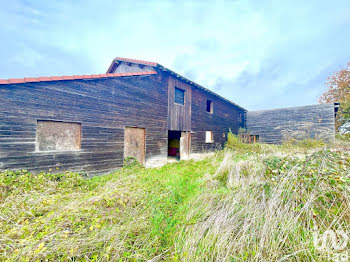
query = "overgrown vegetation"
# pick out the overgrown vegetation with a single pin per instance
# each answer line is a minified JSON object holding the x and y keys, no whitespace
{"x":338,"y":90}
{"x":245,"y":203}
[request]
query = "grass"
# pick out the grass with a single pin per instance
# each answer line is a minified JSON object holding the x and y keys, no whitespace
{"x":245,"y":203}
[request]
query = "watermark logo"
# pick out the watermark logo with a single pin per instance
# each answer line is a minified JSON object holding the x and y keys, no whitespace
{"x":333,"y":243}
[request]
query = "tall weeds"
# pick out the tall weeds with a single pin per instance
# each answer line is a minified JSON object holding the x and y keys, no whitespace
{"x":254,"y":203}
{"x":267,"y":213}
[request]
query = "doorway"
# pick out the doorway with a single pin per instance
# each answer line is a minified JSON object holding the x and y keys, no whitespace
{"x":174,"y":144}
{"x":179,"y":144}
{"x":135,"y":143}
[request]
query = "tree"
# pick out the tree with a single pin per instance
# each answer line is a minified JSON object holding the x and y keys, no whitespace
{"x":339,"y":91}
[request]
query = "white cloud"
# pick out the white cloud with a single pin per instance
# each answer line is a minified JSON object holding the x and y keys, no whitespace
{"x":252,"y":52}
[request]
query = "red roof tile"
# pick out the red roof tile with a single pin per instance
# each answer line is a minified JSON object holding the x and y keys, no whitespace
{"x":78,"y":77}
{"x":16,"y":80}
{"x":31,"y":79}
{"x":4,"y":81}
{"x":60,"y":78}
{"x":68,"y":77}
{"x":44,"y":78}
{"x":56,"y":78}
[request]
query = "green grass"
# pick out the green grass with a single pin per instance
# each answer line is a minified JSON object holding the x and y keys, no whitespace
{"x":132,"y":213}
{"x":247,"y":202}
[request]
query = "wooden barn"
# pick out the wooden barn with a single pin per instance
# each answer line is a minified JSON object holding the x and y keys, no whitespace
{"x":91,"y":123}
{"x":275,"y":126}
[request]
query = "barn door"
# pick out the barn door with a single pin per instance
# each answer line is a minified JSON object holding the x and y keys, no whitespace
{"x":135,"y":143}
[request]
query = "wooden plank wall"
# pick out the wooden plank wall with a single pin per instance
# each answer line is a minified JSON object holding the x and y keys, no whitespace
{"x":275,"y":126}
{"x":225,"y":116}
{"x":102,"y":106}
{"x":179,"y":116}
{"x":124,"y":67}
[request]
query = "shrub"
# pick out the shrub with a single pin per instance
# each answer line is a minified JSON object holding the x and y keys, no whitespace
{"x":234,"y":143}
{"x":307,"y":143}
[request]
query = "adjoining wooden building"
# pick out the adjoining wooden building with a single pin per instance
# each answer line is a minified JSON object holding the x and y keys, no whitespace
{"x":277,"y":125}
{"x":91,"y":123}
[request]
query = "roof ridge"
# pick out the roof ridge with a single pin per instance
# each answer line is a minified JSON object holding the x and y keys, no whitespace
{"x":73,"y":77}
{"x":136,"y":61}
{"x":163,"y":68}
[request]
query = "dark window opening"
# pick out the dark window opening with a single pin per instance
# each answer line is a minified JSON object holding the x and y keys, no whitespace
{"x":179,"y":96}
{"x":253,"y":139}
{"x":210,"y":106}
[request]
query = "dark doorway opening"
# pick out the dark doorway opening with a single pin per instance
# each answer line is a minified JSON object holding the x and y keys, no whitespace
{"x":174,"y":143}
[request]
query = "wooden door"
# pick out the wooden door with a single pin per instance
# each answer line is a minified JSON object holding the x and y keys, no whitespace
{"x":135,"y":143}
{"x":185,"y":145}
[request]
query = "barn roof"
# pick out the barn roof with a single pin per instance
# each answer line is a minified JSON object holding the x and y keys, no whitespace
{"x":163,"y":68}
{"x":59,"y":78}
{"x":109,"y":74}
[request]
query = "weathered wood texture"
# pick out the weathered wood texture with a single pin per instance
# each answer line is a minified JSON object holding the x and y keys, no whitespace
{"x":275,"y":126}
{"x":58,"y":136}
{"x":102,"y":106}
{"x":135,"y":143}
{"x":225,"y":116}
{"x":179,"y":116}
{"x":185,"y":145}
{"x":124,"y":67}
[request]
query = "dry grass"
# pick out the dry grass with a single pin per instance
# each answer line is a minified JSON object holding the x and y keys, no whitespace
{"x":255,"y":218}
{"x":259,"y":204}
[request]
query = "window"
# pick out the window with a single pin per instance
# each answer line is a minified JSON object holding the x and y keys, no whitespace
{"x":179,"y":96}
{"x":209,"y":137}
{"x":210,"y":106}
{"x":57,"y":136}
{"x":240,"y":119}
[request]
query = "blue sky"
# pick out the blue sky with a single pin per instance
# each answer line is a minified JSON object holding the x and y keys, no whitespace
{"x":259,"y":54}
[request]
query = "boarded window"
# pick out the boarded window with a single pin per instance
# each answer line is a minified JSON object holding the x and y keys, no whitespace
{"x":135,"y":143}
{"x":210,"y":106}
{"x":209,"y":137}
{"x":179,"y":96}
{"x":57,"y":136}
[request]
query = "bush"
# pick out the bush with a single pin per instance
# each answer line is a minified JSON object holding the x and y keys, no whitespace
{"x":307,"y":143}
{"x":234,"y":143}
{"x":310,"y":143}
{"x":345,"y":138}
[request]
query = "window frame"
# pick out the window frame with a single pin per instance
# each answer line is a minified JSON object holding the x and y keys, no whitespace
{"x":37,"y":145}
{"x":211,"y":106}
{"x":211,"y":137}
{"x":183,"y":92}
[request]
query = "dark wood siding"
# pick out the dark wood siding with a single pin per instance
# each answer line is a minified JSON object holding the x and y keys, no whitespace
{"x":225,"y":116}
{"x":102,"y":106}
{"x":275,"y":126}
{"x":179,"y":116}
